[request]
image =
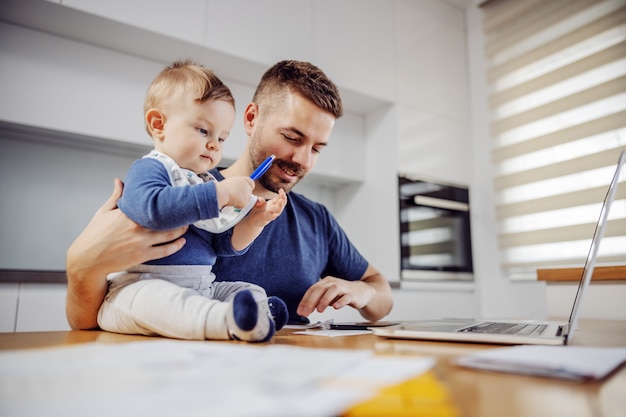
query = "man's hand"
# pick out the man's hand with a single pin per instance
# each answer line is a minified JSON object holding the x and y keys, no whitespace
{"x":111,"y":242}
{"x":371,"y":295}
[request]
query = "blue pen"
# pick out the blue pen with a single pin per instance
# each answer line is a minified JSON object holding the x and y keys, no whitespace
{"x":262,"y":168}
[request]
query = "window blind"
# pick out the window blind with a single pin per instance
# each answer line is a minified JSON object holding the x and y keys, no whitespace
{"x":556,"y":72}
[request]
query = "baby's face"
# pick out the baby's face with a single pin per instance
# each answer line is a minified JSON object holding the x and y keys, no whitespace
{"x":194,"y":133}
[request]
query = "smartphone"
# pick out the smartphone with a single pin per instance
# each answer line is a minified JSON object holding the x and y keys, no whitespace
{"x":361,"y":325}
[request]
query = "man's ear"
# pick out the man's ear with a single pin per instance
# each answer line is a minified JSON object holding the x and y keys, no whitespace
{"x":249,"y":117}
{"x":155,"y":121}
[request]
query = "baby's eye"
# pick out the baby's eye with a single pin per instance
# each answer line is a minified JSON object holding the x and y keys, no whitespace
{"x":202,"y":131}
{"x":221,"y":140}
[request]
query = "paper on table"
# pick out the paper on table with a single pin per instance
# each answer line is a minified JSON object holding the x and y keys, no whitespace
{"x":170,"y":377}
{"x":325,"y":325}
{"x":317,"y":325}
{"x":568,"y":362}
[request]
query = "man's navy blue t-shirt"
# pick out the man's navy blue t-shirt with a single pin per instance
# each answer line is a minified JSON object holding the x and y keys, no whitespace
{"x":305,"y":243}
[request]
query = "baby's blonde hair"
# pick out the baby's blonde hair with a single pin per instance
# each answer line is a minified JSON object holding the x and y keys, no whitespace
{"x":185,"y":77}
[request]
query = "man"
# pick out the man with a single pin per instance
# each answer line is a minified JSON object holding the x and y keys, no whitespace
{"x":303,"y":256}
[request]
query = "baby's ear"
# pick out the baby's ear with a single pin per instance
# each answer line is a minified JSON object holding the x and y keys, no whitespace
{"x":155,"y":121}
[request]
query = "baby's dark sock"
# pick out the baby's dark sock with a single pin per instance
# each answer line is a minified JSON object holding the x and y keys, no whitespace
{"x":278,"y":311}
{"x":248,"y":320}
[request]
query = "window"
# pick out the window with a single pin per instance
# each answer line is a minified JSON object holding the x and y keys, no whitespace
{"x":557,"y":79}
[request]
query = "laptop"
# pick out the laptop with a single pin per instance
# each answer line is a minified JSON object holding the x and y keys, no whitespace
{"x":513,"y":331}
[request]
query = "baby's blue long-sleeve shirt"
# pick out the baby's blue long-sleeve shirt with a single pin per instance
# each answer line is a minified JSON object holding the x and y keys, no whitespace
{"x":151,"y":201}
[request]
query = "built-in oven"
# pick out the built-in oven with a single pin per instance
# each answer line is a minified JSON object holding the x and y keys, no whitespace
{"x":435,"y":236}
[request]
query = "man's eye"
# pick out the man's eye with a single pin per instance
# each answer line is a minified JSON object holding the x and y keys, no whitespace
{"x":290,"y":139}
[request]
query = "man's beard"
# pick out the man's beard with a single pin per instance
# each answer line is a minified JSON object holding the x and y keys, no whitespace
{"x":274,"y":184}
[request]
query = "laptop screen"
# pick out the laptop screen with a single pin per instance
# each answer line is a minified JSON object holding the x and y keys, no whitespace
{"x":593,"y":249}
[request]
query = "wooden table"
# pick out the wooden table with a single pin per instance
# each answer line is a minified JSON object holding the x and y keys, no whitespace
{"x":474,"y":393}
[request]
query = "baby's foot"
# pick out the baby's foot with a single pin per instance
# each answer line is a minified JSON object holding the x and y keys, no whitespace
{"x":278,"y":311}
{"x":249,"y":321}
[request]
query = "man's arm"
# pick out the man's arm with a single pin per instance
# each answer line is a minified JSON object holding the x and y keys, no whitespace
{"x":371,"y":295}
{"x":111,"y":242}
{"x":380,"y":305}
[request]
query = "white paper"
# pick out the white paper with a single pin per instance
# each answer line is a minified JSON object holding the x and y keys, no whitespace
{"x":568,"y":362}
{"x":171,"y":377}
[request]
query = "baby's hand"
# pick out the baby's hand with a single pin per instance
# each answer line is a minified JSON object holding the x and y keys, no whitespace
{"x":234,"y":191}
{"x":266,"y":211}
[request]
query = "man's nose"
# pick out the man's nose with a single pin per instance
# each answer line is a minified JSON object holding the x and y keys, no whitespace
{"x":302,"y":156}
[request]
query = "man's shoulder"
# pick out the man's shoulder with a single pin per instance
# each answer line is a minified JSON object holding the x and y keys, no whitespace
{"x":302,"y":199}
{"x":302,"y":203}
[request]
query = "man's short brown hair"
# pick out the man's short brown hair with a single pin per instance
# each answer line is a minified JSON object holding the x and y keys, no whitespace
{"x":298,"y":77}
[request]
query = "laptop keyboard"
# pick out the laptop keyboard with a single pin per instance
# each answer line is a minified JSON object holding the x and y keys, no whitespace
{"x":507,"y":328}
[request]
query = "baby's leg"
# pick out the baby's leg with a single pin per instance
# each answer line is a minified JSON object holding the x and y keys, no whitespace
{"x":158,"y":307}
{"x":272,"y":306}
